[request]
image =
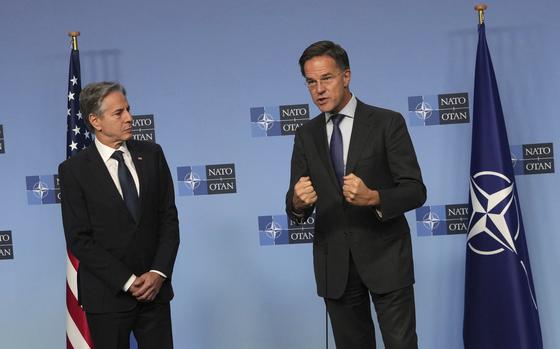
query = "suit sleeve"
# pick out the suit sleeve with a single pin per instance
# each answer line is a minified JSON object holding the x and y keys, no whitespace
{"x":79,"y":235}
{"x":299,"y":168}
{"x":168,"y":231}
{"x":408,"y":191}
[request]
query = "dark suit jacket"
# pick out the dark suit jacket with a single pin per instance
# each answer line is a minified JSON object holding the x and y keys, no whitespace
{"x":382,"y":155}
{"x":102,"y":234}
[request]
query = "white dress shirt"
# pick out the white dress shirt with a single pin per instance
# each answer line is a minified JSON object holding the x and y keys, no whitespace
{"x":113,"y":165}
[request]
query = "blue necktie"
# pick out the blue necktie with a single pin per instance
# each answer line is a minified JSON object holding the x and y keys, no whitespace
{"x":130,"y":194}
{"x":336,"y":149}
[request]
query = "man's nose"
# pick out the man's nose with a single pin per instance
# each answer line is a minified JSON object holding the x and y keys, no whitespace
{"x":320,"y":86}
{"x":127,"y":116}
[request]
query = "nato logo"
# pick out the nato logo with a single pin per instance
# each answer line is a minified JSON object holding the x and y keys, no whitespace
{"x":280,"y":120}
{"x":6,"y":245}
{"x":495,"y":221}
{"x":281,"y":230}
{"x":206,"y":179}
{"x":529,"y":159}
{"x":143,"y":128}
{"x":442,"y":220}
{"x":2,"y":148}
{"x":451,"y":108}
{"x":42,"y":190}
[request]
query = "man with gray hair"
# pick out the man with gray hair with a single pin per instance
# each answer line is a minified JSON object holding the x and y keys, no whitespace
{"x":120,"y":221}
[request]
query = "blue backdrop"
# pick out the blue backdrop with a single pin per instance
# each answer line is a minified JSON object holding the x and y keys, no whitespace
{"x":199,"y":68}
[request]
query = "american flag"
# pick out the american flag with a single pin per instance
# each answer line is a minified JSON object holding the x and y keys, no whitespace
{"x":77,"y":139}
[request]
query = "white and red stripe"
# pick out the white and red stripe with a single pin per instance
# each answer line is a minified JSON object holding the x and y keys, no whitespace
{"x":77,"y":329}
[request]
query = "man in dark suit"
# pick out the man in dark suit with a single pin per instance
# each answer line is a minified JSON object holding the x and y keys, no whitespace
{"x":120,"y":221}
{"x":356,"y":166}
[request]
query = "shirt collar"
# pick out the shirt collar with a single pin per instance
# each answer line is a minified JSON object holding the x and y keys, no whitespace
{"x":349,"y":109}
{"x":106,"y":151}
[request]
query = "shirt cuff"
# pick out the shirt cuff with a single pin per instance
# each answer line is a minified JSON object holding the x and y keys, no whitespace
{"x":159,"y":273}
{"x":129,"y":283}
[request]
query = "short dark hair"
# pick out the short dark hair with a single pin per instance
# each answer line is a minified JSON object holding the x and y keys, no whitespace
{"x":92,"y":97}
{"x":325,"y":48}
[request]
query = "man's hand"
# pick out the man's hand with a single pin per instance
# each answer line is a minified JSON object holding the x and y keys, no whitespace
{"x":146,"y":287}
{"x":304,"y":194}
{"x":357,"y":193}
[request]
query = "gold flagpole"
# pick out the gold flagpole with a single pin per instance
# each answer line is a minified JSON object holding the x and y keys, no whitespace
{"x":74,"y":36}
{"x":480,"y":8}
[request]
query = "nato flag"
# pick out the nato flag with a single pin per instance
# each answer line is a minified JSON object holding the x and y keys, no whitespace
{"x":500,"y":302}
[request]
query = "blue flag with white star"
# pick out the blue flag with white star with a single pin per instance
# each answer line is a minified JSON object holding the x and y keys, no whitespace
{"x":500,"y":303}
{"x":77,"y":136}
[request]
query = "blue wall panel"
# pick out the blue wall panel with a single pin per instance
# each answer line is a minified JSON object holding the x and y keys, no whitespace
{"x":199,"y":67}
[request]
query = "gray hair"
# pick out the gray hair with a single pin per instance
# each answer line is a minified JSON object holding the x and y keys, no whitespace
{"x":92,"y":97}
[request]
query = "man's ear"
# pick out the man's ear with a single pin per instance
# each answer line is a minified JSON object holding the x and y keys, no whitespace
{"x":346,"y":77}
{"x":95,"y":122}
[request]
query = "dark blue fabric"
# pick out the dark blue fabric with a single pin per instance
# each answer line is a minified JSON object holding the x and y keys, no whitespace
{"x":130,"y":194}
{"x":77,"y":134}
{"x":500,"y":301}
{"x":336,"y":148}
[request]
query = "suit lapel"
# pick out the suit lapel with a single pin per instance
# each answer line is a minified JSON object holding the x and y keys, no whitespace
{"x":101,"y":174}
{"x":322,"y":145}
{"x":360,"y":131}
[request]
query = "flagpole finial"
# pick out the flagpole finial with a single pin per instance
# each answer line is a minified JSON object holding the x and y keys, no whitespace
{"x":480,"y":8}
{"x":74,"y":36}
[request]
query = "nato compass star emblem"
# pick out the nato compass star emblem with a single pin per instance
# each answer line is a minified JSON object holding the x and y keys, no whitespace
{"x":424,"y":110}
{"x":495,"y":221}
{"x":490,"y":213}
{"x":265,"y":121}
{"x":40,"y":190}
{"x":430,"y":220}
{"x":273,"y":230}
{"x":192,"y":180}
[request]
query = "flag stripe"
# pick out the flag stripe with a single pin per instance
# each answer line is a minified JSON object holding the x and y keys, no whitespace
{"x":72,"y":260}
{"x":77,"y":319}
{"x":74,"y":338}
{"x":71,"y":278}
{"x":68,"y":343}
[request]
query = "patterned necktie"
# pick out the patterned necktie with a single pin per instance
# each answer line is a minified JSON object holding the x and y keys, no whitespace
{"x":130,"y":194}
{"x":336,"y":149}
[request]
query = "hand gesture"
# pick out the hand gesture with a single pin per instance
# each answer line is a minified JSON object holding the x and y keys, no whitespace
{"x":304,"y":194}
{"x":146,"y":287}
{"x":357,"y":193}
